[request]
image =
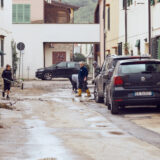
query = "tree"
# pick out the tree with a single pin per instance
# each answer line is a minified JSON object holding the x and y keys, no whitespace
{"x":14,"y":58}
{"x":79,"y":57}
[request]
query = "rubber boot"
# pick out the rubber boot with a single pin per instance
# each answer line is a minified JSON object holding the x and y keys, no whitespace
{"x":88,"y":93}
{"x":79,"y":93}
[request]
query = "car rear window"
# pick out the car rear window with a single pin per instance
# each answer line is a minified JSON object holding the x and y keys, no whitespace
{"x":140,"y":67}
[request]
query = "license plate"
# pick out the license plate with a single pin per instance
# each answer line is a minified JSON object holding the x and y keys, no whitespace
{"x":143,"y":93}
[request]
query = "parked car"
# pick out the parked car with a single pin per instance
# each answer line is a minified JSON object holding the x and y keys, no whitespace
{"x":61,"y":70}
{"x":135,"y":82}
{"x":104,"y":77}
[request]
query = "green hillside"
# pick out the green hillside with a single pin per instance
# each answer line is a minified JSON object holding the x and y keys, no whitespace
{"x":86,"y":12}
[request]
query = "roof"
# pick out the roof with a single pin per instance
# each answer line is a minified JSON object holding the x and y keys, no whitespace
{"x":63,"y":5}
{"x":138,"y":60}
{"x":129,"y":57}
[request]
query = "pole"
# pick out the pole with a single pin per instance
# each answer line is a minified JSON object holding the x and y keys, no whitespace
{"x":126,"y":27}
{"x":149,"y":26}
{"x":20,"y":65}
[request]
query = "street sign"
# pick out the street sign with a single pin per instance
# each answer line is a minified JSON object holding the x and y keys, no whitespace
{"x":20,"y":46}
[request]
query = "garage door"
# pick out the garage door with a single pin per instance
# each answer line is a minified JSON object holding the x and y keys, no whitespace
{"x":58,"y":57}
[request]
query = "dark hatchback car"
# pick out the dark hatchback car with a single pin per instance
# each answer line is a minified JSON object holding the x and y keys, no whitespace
{"x":61,"y":70}
{"x":135,"y":82}
{"x":104,"y":77}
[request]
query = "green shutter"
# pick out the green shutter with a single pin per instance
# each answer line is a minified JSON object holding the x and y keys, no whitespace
{"x":152,"y":2}
{"x":158,"y":0}
{"x":20,"y":13}
{"x":158,"y":48}
{"x":14,"y":14}
{"x":27,"y":13}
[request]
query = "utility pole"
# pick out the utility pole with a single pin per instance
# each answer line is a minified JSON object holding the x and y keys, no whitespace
{"x":126,"y":26}
{"x":149,"y":25}
{"x":126,"y":23}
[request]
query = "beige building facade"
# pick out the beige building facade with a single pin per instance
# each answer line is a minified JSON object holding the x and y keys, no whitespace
{"x":112,"y":26}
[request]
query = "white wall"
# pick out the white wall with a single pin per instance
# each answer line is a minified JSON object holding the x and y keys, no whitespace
{"x":34,"y":35}
{"x":137,"y":25}
{"x":156,"y":20}
{"x":6,"y":29}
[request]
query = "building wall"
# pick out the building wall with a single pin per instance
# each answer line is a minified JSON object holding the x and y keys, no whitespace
{"x":6,"y":30}
{"x":137,"y":26}
{"x":36,"y":34}
{"x":37,"y":9}
{"x":68,"y":48}
{"x":155,"y":20}
{"x":113,"y":33}
{"x":101,"y":13}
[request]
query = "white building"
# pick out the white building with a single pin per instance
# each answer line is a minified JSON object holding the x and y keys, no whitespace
{"x":137,"y":21}
{"x":35,"y":36}
{"x":5,"y":32}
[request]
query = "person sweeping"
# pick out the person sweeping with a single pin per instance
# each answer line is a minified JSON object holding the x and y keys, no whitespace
{"x":7,"y":78}
{"x":82,"y":78}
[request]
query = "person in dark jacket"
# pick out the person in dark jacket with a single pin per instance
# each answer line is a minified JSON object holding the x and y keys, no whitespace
{"x":82,"y":78}
{"x":7,"y":78}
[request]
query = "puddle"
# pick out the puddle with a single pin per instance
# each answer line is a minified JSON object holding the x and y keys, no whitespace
{"x":116,"y":133}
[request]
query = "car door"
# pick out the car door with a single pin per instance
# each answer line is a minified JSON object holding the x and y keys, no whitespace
{"x":100,"y":78}
{"x":60,"y":70}
{"x":70,"y":69}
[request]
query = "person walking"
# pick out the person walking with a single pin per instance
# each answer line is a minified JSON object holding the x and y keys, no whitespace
{"x":82,"y":78}
{"x":97,"y":69}
{"x":7,"y":78}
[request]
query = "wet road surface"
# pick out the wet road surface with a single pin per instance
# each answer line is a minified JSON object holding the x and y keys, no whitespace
{"x":48,"y":122}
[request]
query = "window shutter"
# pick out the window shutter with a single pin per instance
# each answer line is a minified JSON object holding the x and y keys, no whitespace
{"x":27,"y":13}
{"x":20,"y":13}
{"x":14,"y":14}
{"x":158,"y":0}
{"x":152,"y":2}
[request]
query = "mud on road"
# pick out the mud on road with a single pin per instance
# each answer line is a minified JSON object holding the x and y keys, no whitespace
{"x":47,"y":122}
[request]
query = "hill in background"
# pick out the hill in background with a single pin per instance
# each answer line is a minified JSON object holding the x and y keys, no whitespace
{"x":86,"y":12}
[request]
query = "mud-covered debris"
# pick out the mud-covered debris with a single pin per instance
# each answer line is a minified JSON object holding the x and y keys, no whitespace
{"x":5,"y":106}
{"x":48,"y":159}
{"x":116,"y":133}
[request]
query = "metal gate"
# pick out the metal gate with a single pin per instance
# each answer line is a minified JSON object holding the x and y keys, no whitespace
{"x":58,"y":57}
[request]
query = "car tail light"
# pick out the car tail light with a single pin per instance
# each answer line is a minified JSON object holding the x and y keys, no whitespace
{"x":118,"y":81}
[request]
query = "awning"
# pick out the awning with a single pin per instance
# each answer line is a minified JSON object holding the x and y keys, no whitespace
{"x":2,"y":53}
{"x":138,"y":43}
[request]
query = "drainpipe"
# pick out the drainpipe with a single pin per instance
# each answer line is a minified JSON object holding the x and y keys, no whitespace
{"x":149,"y":26}
{"x":104,"y":16}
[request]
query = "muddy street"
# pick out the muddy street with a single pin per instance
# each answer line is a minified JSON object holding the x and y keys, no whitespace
{"x":46,"y":122}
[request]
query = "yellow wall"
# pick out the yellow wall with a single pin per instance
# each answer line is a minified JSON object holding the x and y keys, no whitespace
{"x":113,"y":33}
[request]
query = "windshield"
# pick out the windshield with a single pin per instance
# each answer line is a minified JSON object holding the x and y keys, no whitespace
{"x":140,"y":68}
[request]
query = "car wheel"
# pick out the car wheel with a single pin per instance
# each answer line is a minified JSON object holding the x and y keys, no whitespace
{"x":47,"y":76}
{"x":114,"y":108}
{"x":97,"y":98}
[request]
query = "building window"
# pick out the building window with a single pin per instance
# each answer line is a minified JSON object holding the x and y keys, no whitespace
{"x":152,"y":2}
{"x":109,"y":19}
{"x":21,"y":13}
{"x":2,"y":51}
{"x":130,"y":2}
{"x":2,"y":3}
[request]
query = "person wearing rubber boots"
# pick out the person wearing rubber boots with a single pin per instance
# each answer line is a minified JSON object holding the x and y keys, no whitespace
{"x":82,"y":78}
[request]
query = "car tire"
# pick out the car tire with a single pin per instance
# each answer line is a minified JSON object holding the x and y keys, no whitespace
{"x":114,"y":108}
{"x":97,"y":98}
{"x":47,"y":76}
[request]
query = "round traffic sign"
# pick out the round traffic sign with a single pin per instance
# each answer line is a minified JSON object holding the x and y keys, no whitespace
{"x":21,"y":46}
